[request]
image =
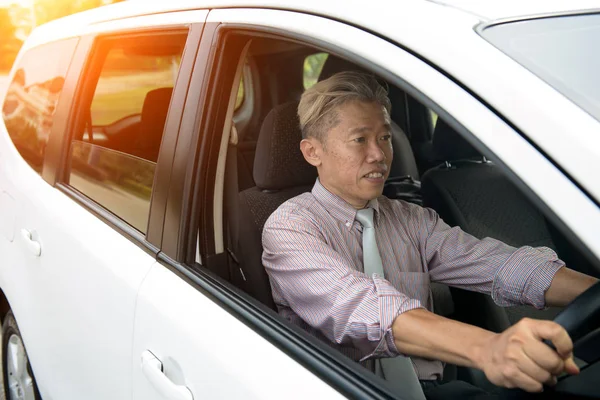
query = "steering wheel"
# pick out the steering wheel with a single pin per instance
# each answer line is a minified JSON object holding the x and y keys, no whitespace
{"x":581,"y":320}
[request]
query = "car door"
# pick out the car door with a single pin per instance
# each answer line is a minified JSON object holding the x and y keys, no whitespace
{"x":80,"y":251}
{"x":209,"y":340}
{"x":186,"y":345}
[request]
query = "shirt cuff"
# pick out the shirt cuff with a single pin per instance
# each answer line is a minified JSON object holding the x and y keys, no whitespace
{"x":391,"y":304}
{"x":525,"y":277}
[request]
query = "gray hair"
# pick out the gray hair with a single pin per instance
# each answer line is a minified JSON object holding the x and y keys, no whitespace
{"x":318,"y":104}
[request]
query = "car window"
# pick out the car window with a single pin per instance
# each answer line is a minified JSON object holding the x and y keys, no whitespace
{"x":560,"y":50}
{"x":242,"y":265}
{"x":113,"y":154}
{"x":313,"y":65}
{"x":32,"y":97}
{"x":126,"y":78}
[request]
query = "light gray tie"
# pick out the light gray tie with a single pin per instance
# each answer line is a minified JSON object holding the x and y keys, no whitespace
{"x":397,"y":371}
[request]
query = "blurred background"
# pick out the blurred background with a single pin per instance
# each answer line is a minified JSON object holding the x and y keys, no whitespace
{"x":19,"y":17}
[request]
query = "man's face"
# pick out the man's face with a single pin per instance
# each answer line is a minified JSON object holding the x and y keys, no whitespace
{"x":355,"y":156}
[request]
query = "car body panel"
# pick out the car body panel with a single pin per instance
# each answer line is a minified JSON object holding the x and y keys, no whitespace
{"x":81,"y":299}
{"x":210,"y":351}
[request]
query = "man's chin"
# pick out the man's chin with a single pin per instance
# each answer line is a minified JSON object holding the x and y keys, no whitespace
{"x":373,"y":193}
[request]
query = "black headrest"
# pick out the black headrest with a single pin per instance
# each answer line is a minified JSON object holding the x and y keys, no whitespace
{"x":279,"y":163}
{"x":152,"y":125}
{"x":334,"y":64}
{"x":156,"y":105}
{"x":448,"y":145}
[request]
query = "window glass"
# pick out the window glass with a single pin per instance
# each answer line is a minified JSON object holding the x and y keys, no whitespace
{"x":127,"y":76}
{"x":560,"y":50}
{"x":32,"y":97}
{"x":313,"y":65}
{"x":113,"y":156}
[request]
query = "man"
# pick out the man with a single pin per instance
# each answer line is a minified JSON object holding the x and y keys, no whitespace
{"x":313,"y":253}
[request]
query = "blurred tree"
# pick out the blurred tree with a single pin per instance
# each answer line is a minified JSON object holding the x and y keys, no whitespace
{"x":313,"y":65}
{"x":17,"y":22}
{"x":9,"y":44}
{"x":48,"y":10}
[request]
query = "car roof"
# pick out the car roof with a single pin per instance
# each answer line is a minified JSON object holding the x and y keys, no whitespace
{"x":376,"y":16}
{"x":514,"y":9}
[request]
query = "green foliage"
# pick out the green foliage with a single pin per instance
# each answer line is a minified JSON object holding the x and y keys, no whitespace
{"x":313,"y":65}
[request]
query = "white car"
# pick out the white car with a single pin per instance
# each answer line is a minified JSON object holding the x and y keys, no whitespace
{"x":144,"y":144}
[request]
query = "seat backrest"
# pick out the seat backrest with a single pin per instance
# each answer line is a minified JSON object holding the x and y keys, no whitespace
{"x":468,"y":191}
{"x":280,"y":173}
{"x":473,"y":193}
{"x":152,"y":124}
{"x":404,"y":163}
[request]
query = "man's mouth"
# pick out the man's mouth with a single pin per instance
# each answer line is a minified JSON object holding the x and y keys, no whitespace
{"x":374,"y":175}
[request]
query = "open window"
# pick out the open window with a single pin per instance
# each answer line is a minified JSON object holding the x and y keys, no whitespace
{"x":441,"y":155}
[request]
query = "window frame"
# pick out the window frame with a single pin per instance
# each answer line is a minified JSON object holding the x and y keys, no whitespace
{"x":87,"y":66}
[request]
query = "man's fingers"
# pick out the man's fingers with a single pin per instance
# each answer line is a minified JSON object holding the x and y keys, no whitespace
{"x":525,"y":382}
{"x":544,"y":357}
{"x":556,"y":334}
{"x":570,"y":366}
{"x":532,"y":369}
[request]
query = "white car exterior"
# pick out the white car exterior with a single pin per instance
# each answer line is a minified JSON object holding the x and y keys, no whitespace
{"x":104,"y":318}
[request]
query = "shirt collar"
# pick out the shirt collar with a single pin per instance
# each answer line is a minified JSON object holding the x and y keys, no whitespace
{"x":338,"y":207}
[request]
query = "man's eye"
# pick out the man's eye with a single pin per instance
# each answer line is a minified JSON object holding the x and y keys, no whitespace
{"x":359,"y":140}
{"x":386,"y":138}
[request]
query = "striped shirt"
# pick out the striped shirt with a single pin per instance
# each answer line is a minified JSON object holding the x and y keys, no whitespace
{"x":313,"y":255}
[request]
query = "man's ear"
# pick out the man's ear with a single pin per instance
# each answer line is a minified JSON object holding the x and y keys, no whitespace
{"x":311,"y":150}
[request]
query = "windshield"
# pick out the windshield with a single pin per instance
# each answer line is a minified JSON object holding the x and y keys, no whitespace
{"x":563,"y":51}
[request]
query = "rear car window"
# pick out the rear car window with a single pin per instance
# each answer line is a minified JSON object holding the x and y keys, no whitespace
{"x":113,"y":153}
{"x":126,"y":78}
{"x":563,"y":51}
{"x":32,"y":97}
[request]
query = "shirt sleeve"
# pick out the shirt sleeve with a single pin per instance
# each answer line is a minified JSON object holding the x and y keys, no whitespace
{"x":346,"y":305}
{"x":512,"y":276}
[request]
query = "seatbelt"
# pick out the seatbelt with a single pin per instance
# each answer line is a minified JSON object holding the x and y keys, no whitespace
{"x":397,"y":371}
{"x":232,"y":205}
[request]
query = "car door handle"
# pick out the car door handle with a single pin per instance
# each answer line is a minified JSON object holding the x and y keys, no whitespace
{"x":32,"y":245}
{"x":152,"y":368}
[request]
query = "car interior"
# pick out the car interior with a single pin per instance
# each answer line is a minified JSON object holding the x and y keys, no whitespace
{"x":433,"y":166}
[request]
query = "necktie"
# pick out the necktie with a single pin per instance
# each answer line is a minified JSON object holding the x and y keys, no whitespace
{"x":371,"y":258}
{"x":398,"y":371}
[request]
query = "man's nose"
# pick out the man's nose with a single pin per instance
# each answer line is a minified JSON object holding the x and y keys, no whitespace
{"x":376,"y":152}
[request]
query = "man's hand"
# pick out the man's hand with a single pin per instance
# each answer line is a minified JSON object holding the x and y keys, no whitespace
{"x":517,"y":357}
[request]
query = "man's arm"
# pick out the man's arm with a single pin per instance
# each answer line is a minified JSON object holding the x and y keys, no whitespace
{"x":512,"y":276}
{"x":516,"y":357}
{"x":344,"y":304}
{"x":566,"y":285}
